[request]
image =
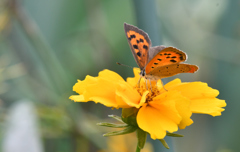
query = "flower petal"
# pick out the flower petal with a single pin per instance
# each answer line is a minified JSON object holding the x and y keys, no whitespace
{"x":127,"y":97}
{"x":143,"y":99}
{"x":134,"y":80}
{"x":172,"y":83}
{"x":159,"y":116}
{"x":77,"y":98}
{"x":211,"y":106}
{"x":110,"y":75}
{"x":193,"y":90}
{"x":79,"y":87}
{"x":203,"y":98}
{"x":109,"y":89}
{"x":183,"y":107}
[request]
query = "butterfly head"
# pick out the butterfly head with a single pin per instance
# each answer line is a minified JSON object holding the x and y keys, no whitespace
{"x":142,"y":73}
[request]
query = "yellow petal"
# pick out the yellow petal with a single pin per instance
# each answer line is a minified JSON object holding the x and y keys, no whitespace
{"x":134,"y":80}
{"x":102,"y":89}
{"x":127,"y":97}
{"x":172,"y":83}
{"x":182,"y":105}
{"x":105,"y":101}
{"x":159,"y":116}
{"x":80,"y":86}
{"x":109,"y":89}
{"x":143,"y":99}
{"x":110,"y":75}
{"x":211,"y":106}
{"x":77,"y":98}
{"x":193,"y":90}
{"x":201,"y":95}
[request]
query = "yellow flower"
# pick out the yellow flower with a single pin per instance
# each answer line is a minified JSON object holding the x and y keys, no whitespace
{"x":161,"y":109}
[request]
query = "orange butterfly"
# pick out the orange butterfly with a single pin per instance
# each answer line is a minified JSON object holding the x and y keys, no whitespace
{"x":156,"y":62}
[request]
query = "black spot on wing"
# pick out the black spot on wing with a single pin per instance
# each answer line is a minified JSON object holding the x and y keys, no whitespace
{"x":155,"y":63}
{"x":159,"y":59}
{"x":141,"y":40}
{"x":145,"y":47}
{"x":173,"y":57}
{"x":137,"y":41}
{"x":135,"y":46}
{"x":139,"y":54}
{"x":173,"y":61}
{"x":165,"y":54}
{"x":168,"y":57}
{"x":132,"y":36}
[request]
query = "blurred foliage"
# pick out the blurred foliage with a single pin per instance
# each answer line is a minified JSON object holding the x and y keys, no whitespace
{"x":125,"y":143}
{"x":45,"y":46}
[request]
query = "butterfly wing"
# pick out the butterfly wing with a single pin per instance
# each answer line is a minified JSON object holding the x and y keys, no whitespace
{"x":172,"y":69}
{"x":166,"y":56}
{"x":139,"y":43}
{"x":154,"y":51}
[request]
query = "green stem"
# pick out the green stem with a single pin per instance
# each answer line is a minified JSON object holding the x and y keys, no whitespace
{"x":52,"y":67}
{"x":138,"y":149}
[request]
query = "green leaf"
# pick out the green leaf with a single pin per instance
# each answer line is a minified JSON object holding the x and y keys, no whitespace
{"x":164,"y":143}
{"x":174,"y":135}
{"x":127,"y":130}
{"x":116,"y":117}
{"x":106,"y":124}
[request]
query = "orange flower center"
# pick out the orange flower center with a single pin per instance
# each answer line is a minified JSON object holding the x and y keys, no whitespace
{"x":153,"y":90}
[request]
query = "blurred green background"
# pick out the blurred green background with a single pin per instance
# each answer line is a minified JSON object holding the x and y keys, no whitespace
{"x":45,"y":46}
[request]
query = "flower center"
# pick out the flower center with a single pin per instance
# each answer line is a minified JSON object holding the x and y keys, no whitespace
{"x":153,"y":90}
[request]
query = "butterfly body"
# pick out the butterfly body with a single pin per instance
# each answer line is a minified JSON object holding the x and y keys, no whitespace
{"x":155,"y":62}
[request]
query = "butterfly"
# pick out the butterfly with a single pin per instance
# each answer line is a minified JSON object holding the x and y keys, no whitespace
{"x":156,"y":62}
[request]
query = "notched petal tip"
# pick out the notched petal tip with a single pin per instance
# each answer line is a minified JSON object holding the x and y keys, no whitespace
{"x":77,"y":98}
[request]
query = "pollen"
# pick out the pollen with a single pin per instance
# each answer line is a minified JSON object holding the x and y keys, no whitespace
{"x":153,"y":90}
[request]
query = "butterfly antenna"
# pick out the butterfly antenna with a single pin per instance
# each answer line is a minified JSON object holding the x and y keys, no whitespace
{"x":124,"y":65}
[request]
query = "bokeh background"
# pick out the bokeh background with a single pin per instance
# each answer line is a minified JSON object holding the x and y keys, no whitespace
{"x":46,"y":45}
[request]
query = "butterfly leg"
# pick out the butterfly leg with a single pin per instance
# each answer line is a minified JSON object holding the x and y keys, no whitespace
{"x":146,"y":84}
{"x":139,"y":82}
{"x":163,"y":85}
{"x":150,"y":84}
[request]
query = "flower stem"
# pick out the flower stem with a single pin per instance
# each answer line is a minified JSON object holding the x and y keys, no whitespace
{"x":138,"y":149}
